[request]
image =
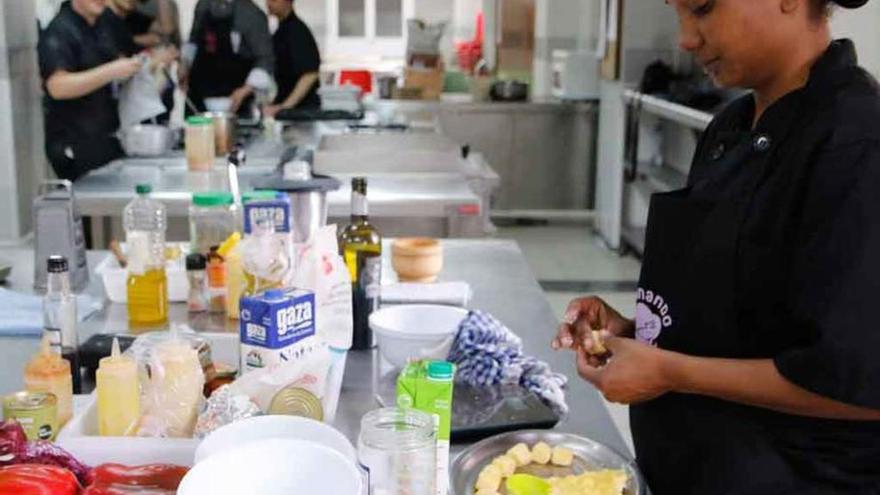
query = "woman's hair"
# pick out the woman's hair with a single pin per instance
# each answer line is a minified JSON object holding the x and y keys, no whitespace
{"x":822,"y":8}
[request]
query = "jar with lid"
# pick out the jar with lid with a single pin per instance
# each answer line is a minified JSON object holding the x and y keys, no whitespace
{"x":200,"y":144}
{"x":197,"y":302}
{"x":213,"y":217}
{"x":399,"y":448}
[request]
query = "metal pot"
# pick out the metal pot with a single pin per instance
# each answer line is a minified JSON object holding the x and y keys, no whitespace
{"x":509,"y":91}
{"x":147,"y":140}
{"x":225,"y":129}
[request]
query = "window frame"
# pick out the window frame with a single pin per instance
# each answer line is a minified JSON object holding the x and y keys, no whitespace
{"x":370,"y":43}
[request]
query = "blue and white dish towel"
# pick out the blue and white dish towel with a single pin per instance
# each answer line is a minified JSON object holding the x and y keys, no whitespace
{"x":487,"y":353}
{"x":21,"y":315}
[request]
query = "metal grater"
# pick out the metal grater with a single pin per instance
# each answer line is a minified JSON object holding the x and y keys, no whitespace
{"x":58,"y":229}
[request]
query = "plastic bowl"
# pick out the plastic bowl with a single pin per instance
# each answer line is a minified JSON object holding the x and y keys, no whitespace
{"x":218,"y":104}
{"x":274,"y":467}
{"x":415,"y":331}
{"x":262,"y":428}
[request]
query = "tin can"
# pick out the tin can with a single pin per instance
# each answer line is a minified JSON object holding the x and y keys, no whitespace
{"x":296,"y":401}
{"x":37,"y":412}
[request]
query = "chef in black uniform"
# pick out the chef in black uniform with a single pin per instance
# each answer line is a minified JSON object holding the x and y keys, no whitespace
{"x":751,"y":366}
{"x":229,"y":53}
{"x":297,"y":61}
{"x":79,"y":76}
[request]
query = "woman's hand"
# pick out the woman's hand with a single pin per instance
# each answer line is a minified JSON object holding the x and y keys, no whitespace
{"x":238,"y":96}
{"x":634,"y":372}
{"x":585,"y":315}
{"x":270,"y":111}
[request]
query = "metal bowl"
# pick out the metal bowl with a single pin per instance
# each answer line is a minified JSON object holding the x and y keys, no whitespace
{"x":589,"y":456}
{"x":147,"y":140}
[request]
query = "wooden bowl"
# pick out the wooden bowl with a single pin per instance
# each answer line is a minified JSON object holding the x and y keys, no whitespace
{"x":417,"y":259}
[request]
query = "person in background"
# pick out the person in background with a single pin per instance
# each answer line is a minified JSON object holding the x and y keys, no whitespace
{"x":297,"y":61}
{"x":154,"y":23}
{"x":79,"y":76}
{"x":229,"y":53}
{"x":122,"y":41}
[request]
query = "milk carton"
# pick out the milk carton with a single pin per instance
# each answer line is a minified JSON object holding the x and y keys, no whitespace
{"x":428,"y":386}
{"x":276,"y":326}
{"x":276,"y":209}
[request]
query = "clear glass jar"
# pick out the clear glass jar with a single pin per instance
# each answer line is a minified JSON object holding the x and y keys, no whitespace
{"x":212,"y":219}
{"x":398,"y":447}
{"x":200,"y":144}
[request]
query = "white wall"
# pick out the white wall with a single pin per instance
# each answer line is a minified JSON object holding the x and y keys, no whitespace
{"x":861,"y":25}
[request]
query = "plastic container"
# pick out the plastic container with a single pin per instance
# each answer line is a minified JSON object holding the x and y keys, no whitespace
{"x":145,"y":222}
{"x":212,"y":219}
{"x":200,"y":144}
{"x":398,"y":448}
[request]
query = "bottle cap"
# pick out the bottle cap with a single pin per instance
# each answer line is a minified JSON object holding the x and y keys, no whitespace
{"x":212,"y":199}
{"x":56,"y":264}
{"x":275,"y":294}
{"x":199,"y":120}
{"x":196,"y":261}
{"x":143,"y":189}
{"x":440,"y":370}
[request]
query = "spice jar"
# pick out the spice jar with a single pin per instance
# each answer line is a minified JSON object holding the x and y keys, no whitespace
{"x":195,"y":273}
{"x":213,"y":217}
{"x":216,"y":281}
{"x":200,"y":144}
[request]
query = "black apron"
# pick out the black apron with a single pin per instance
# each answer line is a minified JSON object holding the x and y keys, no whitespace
{"x":218,"y":69}
{"x":687,"y":303}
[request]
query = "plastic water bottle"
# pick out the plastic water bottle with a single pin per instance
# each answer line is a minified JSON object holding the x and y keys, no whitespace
{"x":145,"y":221}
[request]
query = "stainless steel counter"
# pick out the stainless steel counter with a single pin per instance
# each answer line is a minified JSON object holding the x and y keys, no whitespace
{"x":503,"y":285}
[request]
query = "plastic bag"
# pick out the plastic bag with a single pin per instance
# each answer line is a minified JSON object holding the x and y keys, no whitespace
{"x":172,"y":394}
{"x":139,"y":99}
{"x":265,"y":258}
{"x":320,"y":269}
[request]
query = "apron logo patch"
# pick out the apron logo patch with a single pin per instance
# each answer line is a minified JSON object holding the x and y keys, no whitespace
{"x":652,"y":316}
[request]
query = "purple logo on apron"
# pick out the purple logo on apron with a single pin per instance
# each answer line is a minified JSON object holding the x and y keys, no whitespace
{"x":652,"y":316}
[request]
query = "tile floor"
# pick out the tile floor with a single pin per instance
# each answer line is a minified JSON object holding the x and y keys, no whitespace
{"x":569,"y":261}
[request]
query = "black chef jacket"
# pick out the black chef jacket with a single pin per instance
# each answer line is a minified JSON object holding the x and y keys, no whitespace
{"x":296,"y":54}
{"x":790,"y":272}
{"x":118,"y":35}
{"x":79,"y":132}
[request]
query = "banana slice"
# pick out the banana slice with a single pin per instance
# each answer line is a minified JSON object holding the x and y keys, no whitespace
{"x":541,"y":453}
{"x":562,"y":456}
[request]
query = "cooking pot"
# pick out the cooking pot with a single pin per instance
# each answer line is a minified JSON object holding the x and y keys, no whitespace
{"x":509,"y":91}
{"x":225,"y":128}
{"x":147,"y":140}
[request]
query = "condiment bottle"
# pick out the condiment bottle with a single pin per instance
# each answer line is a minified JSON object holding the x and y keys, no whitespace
{"x":195,"y":272}
{"x":59,"y":316}
{"x":49,"y":372}
{"x":235,"y":283}
{"x":119,"y":396}
{"x":216,"y":281}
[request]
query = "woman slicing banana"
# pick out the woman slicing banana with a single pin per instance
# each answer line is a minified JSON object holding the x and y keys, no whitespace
{"x":751,"y":363}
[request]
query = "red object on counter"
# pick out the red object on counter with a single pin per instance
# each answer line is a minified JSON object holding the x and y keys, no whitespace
{"x":360,"y":78}
{"x":151,"y":479}
{"x":37,"y":479}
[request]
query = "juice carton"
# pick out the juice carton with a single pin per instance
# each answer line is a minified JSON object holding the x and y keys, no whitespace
{"x":428,"y":386}
{"x":276,"y":326}
{"x":275,"y":209}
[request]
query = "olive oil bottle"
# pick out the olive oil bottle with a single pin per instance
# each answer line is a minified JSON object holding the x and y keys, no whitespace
{"x":360,"y":244}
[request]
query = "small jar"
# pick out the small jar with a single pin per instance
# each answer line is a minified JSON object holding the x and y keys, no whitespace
{"x":216,"y":282}
{"x":212,"y":219}
{"x":197,"y":301}
{"x":200,"y":144}
{"x":399,"y":448}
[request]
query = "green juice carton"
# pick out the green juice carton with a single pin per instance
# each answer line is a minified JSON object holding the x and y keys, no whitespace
{"x":427,"y":386}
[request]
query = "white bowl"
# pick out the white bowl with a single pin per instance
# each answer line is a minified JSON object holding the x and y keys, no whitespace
{"x":274,"y":467}
{"x":218,"y":104}
{"x":416,"y":331}
{"x":278,"y":427}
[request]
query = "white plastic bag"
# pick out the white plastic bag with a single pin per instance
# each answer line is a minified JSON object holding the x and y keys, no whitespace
{"x":320,"y":268}
{"x":139,"y":99}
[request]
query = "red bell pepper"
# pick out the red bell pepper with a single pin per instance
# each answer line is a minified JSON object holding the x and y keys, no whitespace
{"x":37,"y":479}
{"x":152,"y":479}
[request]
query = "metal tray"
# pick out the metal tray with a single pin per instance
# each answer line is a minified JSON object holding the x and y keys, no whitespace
{"x":589,"y":455}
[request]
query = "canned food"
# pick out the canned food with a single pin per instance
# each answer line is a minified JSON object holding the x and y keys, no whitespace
{"x":37,"y":412}
{"x":295,"y":401}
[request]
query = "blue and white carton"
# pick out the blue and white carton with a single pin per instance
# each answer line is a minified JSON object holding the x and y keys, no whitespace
{"x":276,"y":326}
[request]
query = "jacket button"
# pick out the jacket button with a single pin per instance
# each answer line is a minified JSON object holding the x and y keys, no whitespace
{"x":717,"y":152}
{"x":761,"y":143}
